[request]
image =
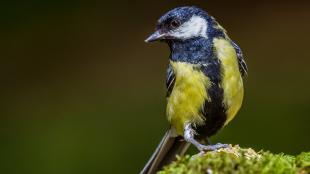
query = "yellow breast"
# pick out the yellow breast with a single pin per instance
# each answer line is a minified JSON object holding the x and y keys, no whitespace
{"x":232,"y":83}
{"x":187,"y":97}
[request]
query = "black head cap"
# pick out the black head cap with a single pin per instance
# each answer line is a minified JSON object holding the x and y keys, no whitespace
{"x":174,"y":19}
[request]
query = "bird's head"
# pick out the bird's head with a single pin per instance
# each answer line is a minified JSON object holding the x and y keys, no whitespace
{"x":181,"y":24}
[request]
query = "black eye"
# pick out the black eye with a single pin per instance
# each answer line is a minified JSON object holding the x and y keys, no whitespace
{"x":175,"y":23}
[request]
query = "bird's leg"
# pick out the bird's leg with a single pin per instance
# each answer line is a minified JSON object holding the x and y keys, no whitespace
{"x":189,"y":136}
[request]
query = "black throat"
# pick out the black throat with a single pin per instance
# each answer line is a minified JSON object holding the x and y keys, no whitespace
{"x":195,"y":50}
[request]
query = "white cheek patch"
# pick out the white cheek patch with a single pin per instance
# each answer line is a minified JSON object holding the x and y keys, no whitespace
{"x":196,"y":26}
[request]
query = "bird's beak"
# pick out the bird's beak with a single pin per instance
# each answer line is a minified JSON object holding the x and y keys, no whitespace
{"x":157,"y":35}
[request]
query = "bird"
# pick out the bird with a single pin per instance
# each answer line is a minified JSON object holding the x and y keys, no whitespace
{"x":204,"y":82}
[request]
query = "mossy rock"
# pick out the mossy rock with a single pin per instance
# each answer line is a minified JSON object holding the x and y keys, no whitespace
{"x":236,"y":160}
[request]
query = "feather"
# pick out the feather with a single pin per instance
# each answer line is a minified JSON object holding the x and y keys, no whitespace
{"x":241,"y":62}
{"x":166,"y":152}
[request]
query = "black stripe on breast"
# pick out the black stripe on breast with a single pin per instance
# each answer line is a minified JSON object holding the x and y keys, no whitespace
{"x":213,"y":110}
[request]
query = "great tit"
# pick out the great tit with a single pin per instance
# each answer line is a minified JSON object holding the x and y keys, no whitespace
{"x":204,"y":82}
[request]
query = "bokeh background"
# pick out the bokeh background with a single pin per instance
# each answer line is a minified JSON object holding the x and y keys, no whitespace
{"x":81,"y":93}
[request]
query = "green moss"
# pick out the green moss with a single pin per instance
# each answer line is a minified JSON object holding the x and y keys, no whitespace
{"x":236,"y":160}
{"x":303,"y":162}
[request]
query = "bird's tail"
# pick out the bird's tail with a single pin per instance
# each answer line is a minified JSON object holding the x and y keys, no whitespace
{"x":166,"y":152}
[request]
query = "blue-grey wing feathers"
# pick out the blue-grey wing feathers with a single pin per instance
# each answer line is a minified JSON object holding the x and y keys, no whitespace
{"x":241,"y":62}
{"x":170,"y":80}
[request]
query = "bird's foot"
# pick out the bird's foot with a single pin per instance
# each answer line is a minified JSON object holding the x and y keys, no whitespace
{"x":206,"y":148}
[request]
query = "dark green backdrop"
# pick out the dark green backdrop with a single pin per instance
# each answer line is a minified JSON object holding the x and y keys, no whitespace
{"x":81,"y":93}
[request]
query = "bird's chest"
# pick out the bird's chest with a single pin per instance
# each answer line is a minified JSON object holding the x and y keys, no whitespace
{"x":188,"y":96}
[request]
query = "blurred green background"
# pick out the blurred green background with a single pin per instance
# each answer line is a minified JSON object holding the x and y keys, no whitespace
{"x":81,"y":93}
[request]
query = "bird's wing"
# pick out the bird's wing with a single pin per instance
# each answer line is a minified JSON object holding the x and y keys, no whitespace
{"x":170,"y":80}
{"x":241,"y":62}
